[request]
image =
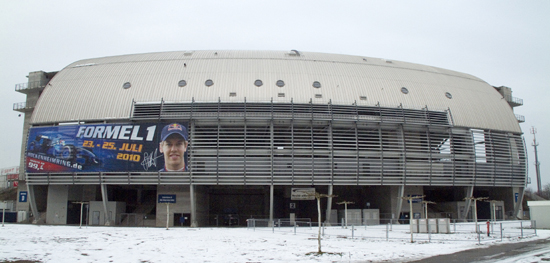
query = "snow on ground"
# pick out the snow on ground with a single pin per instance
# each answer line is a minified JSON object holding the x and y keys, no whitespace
{"x":47,"y":243}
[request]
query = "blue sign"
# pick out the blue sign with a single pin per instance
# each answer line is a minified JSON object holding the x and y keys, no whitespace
{"x":516,"y":196}
{"x":416,"y":200}
{"x":167,"y":198}
{"x":23,"y":197}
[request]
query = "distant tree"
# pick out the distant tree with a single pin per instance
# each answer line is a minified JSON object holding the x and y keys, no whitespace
{"x":545,"y":193}
{"x":528,"y":191}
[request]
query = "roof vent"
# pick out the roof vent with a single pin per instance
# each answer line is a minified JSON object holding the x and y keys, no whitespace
{"x":294,"y":52}
{"x":84,"y":65}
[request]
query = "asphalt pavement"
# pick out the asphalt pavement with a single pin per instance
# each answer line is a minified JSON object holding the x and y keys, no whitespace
{"x":496,"y":253}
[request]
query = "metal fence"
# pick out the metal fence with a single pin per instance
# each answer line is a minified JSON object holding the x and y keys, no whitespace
{"x":279,"y":223}
{"x":131,"y":219}
{"x":457,"y":232}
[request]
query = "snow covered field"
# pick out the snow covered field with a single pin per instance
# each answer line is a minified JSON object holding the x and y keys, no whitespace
{"x":117,"y":244}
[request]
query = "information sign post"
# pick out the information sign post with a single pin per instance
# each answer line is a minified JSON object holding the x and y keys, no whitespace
{"x":4,"y":212}
{"x":167,"y":199}
{"x":167,"y":215}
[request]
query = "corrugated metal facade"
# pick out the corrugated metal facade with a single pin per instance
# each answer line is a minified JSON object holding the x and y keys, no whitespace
{"x":92,"y":89}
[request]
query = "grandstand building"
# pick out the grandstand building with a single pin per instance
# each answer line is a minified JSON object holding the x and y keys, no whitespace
{"x":258,"y":131}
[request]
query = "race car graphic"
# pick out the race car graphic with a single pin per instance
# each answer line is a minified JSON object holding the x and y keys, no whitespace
{"x":57,"y":148}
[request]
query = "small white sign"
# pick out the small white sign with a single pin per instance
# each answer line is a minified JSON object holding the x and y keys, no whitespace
{"x":302,"y":194}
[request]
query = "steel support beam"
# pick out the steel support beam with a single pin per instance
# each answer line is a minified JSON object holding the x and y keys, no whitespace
{"x":400,"y":194}
{"x":105,"y":199}
{"x":469,"y":193}
{"x":32,"y":203}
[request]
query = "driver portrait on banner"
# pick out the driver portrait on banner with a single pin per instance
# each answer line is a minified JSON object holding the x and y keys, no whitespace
{"x":174,"y":147}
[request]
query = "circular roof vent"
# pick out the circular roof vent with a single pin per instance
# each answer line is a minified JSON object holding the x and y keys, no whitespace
{"x":209,"y":83}
{"x":316,"y":84}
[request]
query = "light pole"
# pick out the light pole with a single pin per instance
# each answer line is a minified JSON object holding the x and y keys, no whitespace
{"x":346,"y":210}
{"x":537,"y":163}
{"x":81,"y":211}
{"x":410,"y":199}
{"x":426,"y":207}
{"x":475,"y":206}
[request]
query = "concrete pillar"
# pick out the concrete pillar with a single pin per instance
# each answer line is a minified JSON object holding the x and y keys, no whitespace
{"x":329,"y":206}
{"x":192,"y":200}
{"x":518,"y":193}
{"x":271,"y":193}
{"x":105,"y":199}
{"x":399,"y":205}
{"x":32,"y":203}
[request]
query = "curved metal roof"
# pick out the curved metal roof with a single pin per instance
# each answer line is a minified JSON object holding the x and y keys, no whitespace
{"x":92,"y":89}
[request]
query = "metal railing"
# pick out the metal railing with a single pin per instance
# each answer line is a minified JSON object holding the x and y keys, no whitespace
{"x":457,"y":232}
{"x":29,"y":85}
{"x":131,"y":219}
{"x":22,"y":106}
{"x":121,"y":178}
{"x":21,"y":86}
{"x":279,"y":222}
{"x":514,"y":100}
{"x":520,"y":118}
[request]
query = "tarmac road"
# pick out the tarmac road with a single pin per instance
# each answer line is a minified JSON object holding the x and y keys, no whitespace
{"x":509,"y":253}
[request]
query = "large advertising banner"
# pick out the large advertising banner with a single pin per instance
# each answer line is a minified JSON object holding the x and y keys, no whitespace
{"x":144,"y":147}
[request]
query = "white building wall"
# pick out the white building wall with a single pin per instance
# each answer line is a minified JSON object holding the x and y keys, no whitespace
{"x":58,"y":197}
{"x":539,"y":211}
{"x":182,"y":205}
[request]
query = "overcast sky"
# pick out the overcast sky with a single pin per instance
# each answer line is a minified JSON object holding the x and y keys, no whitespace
{"x":505,"y":43}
